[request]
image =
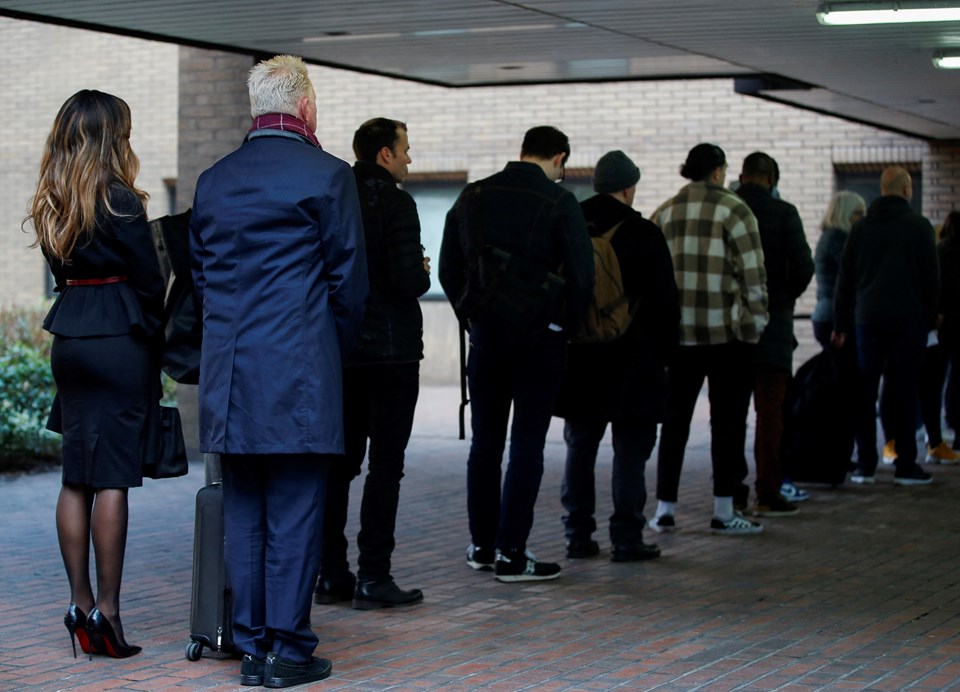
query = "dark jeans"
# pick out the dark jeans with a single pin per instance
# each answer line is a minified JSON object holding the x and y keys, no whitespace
{"x":633,"y":440}
{"x":893,"y":351}
{"x":728,"y":369}
{"x":378,"y":405}
{"x":769,"y":392}
{"x":272,"y":516}
{"x":501,"y":372}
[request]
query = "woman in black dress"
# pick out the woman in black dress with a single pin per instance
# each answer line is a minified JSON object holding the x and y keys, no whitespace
{"x":90,"y":224}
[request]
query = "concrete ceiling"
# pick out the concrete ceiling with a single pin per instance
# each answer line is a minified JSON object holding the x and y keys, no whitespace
{"x":774,"y":49}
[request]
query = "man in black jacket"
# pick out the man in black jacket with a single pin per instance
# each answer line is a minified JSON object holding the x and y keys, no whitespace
{"x":887,"y":293}
{"x":621,"y":382}
{"x":520,"y":213}
{"x":380,"y":376}
{"x":789,"y":265}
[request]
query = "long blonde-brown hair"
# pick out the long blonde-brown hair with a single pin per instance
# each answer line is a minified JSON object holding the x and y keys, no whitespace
{"x":87,"y":151}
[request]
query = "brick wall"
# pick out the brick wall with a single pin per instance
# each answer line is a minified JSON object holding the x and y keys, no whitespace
{"x":43,"y":66}
{"x":476,"y":130}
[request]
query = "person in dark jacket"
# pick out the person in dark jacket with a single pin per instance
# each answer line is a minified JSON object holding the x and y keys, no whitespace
{"x":380,"y":377}
{"x":789,"y":267}
{"x":280,"y":274}
{"x":523,"y":213}
{"x":621,"y":382}
{"x":90,"y":224}
{"x":887,"y":294}
{"x":948,"y":253}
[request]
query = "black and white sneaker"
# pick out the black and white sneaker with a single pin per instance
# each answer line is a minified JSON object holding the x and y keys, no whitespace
{"x":738,"y":525}
{"x":913,"y":475}
{"x":512,"y":566}
{"x":480,"y":558}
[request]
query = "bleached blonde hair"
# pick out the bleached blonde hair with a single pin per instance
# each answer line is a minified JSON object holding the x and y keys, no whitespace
{"x":277,"y":85}
{"x":841,"y":209}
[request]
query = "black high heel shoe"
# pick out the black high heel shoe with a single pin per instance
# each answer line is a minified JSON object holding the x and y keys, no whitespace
{"x":76,"y":623}
{"x":104,"y":641}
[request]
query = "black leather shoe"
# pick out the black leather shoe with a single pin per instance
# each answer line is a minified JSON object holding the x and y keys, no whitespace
{"x":251,"y":671}
{"x":330,"y":591}
{"x":371,"y":595}
{"x":578,"y":548}
{"x":279,"y":672}
{"x":633,"y":552}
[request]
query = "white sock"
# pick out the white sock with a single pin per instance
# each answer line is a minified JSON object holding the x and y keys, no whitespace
{"x":665,"y":508}
{"x":723,"y":508}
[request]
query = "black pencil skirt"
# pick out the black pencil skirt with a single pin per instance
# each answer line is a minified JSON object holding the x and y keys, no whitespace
{"x":103,"y":388}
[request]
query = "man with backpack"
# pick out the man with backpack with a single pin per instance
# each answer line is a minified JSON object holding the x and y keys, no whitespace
{"x":620,"y":380}
{"x":517,"y":265}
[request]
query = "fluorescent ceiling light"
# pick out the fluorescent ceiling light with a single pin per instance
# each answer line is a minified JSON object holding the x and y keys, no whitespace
{"x":887,"y":13}
{"x":947,"y":60}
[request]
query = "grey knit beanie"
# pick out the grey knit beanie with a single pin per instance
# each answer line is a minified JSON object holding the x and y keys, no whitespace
{"x":614,"y":172}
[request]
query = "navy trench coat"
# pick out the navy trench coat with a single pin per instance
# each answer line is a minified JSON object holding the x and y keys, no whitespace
{"x":280,"y":271}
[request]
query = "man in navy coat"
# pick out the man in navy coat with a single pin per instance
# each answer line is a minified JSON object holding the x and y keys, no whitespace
{"x":280,"y":272}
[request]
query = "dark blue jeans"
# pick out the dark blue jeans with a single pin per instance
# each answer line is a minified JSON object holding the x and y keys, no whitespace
{"x":503,"y":372}
{"x":633,"y":440}
{"x":378,"y":405}
{"x":272,"y":515}
{"x":728,"y":369}
{"x":893,"y":351}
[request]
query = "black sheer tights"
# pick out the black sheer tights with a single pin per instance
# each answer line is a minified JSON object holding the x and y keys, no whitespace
{"x":82,"y":513}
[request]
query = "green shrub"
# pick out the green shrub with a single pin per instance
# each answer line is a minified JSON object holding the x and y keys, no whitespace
{"x":26,"y":394}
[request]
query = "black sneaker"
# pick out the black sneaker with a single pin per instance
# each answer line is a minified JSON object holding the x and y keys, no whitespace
{"x":579,"y":548}
{"x":251,"y":671}
{"x":280,"y":672}
{"x":775,"y":506}
{"x":663,"y":524}
{"x":523,"y":566}
{"x":480,"y":558}
{"x":912,"y":476}
{"x":334,"y":590}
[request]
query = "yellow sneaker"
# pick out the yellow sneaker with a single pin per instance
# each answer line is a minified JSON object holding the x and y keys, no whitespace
{"x":890,"y":452}
{"x":942,"y":454}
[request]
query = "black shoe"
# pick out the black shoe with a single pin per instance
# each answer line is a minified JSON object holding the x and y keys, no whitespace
{"x":251,"y":671}
{"x":914,"y":475}
{"x":579,"y":548}
{"x":371,"y":595}
{"x":480,"y":558}
{"x":633,"y":552}
{"x":518,"y":565}
{"x":335,"y":590}
{"x":279,"y":672}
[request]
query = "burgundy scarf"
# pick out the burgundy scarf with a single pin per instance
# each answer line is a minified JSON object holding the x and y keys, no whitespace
{"x":286,"y":122}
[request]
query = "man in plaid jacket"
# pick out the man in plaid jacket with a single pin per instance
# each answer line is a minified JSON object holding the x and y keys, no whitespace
{"x":718,"y":261}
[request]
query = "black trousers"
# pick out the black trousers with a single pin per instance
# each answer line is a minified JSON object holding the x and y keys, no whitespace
{"x":378,"y":405}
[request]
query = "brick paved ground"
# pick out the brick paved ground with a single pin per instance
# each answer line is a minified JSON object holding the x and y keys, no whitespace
{"x":861,"y":591}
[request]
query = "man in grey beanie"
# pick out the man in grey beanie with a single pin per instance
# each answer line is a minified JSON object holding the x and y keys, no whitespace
{"x":619,"y":382}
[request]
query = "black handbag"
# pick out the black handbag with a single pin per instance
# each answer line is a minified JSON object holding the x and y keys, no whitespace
{"x":165,"y":455}
{"x":183,"y":328}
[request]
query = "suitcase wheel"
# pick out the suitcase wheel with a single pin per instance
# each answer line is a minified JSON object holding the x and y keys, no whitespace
{"x":193,"y":651}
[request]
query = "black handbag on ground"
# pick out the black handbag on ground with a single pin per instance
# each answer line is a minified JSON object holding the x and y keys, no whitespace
{"x":165,"y":455}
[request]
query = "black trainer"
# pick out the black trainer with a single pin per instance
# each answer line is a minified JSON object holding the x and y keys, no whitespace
{"x":517,"y":565}
{"x":634,"y":552}
{"x":384,"y":593}
{"x":480,"y":558}
{"x":579,"y":548}
{"x":280,"y":672}
{"x":251,"y":671}
{"x":912,"y":476}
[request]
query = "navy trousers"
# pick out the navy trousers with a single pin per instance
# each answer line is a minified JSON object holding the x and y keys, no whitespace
{"x":273,"y":514}
{"x":633,"y":440}
{"x":527,"y":374}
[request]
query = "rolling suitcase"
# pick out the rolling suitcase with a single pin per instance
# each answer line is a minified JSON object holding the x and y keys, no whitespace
{"x":211,"y":605}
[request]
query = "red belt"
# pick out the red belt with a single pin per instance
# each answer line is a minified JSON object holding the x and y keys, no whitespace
{"x":97,"y":282}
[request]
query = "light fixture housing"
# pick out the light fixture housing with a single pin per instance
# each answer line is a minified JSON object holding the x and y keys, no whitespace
{"x":852,"y":13}
{"x":947,"y":59}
